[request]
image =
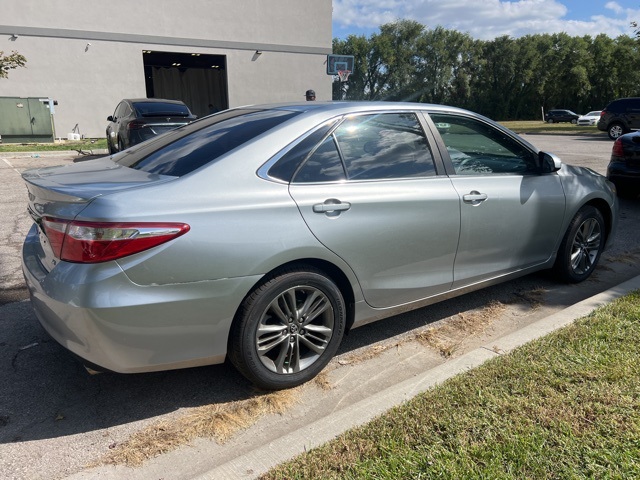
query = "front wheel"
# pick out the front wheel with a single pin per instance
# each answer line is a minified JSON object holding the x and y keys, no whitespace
{"x":614,"y":131}
{"x":288,"y":329}
{"x":581,"y":246}
{"x":574,"y":121}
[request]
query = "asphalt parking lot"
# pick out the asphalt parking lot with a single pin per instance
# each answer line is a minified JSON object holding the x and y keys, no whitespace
{"x":55,"y":418}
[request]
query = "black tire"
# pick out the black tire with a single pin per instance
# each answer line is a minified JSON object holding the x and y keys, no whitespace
{"x":581,"y":246}
{"x":276,"y":346}
{"x":550,"y":120}
{"x":615,"y":130}
{"x":574,"y":121}
{"x":121,"y":146}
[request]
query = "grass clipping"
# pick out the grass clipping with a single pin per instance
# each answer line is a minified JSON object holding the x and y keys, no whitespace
{"x":218,"y":421}
{"x":446,"y":338}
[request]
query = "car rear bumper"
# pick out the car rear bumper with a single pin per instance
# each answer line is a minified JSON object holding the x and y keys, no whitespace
{"x":97,"y":313}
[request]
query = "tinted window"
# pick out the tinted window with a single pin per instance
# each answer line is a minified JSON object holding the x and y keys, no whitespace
{"x":201,"y":142}
{"x":390,"y":145}
{"x":121,"y":110}
{"x":324,"y":165}
{"x":284,"y":168}
{"x":151,"y":109}
{"x":477,"y":148}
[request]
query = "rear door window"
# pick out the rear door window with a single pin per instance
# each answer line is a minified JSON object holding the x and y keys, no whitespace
{"x":371,"y":147}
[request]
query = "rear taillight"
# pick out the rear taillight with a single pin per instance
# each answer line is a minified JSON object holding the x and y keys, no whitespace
{"x":94,"y":242}
{"x":135,"y":125}
{"x":617,"y":150}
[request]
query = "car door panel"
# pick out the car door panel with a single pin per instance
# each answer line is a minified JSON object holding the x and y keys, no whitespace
{"x":516,"y":225}
{"x":511,"y":213}
{"x":398,"y":236}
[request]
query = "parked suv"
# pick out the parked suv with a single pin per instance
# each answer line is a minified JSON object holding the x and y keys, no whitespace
{"x":620,"y":117}
{"x":556,"y":116}
{"x":137,"y":120}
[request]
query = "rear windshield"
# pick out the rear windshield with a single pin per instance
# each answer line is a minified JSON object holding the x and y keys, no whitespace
{"x":201,"y":142}
{"x":157,"y":109}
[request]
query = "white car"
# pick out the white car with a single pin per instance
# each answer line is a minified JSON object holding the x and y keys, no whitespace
{"x":590,"y":119}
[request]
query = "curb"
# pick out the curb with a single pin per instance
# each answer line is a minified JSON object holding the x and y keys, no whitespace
{"x":262,"y":459}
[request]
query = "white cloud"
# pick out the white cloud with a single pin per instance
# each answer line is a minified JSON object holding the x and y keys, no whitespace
{"x":615,"y":7}
{"x":485,"y":19}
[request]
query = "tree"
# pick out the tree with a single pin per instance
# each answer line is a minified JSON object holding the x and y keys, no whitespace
{"x":9,"y":62}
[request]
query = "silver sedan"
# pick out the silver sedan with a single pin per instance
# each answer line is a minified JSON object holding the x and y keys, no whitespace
{"x":263,"y":233}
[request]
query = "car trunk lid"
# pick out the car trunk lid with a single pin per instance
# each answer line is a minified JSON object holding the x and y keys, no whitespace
{"x":62,"y":192}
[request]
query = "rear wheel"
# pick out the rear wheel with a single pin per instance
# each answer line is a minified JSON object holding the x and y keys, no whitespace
{"x":581,"y":246}
{"x":615,"y":130}
{"x":288,"y":329}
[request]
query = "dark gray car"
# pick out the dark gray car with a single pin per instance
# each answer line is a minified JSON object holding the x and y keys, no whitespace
{"x":264,"y":233}
{"x":620,"y":116}
{"x":137,"y":120}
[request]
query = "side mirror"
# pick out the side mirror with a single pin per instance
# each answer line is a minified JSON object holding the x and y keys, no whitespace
{"x":110,"y":118}
{"x":549,"y":162}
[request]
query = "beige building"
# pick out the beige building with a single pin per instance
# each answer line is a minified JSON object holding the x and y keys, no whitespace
{"x":211,"y":54}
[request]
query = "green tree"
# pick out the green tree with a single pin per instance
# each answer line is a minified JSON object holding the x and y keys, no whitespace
{"x":504,"y":78}
{"x":9,"y":62}
{"x":445,"y":66}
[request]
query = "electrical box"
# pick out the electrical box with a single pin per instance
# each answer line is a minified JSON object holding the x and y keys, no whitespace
{"x":25,"y":120}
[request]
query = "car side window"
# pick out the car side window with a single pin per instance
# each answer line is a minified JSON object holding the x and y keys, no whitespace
{"x":371,"y":147}
{"x":289,"y":162}
{"x":324,"y":164}
{"x":477,"y":148}
{"x":121,"y":110}
{"x":383,"y":146}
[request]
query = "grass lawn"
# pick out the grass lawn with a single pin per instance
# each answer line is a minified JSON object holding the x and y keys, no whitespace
{"x":565,"y":406}
{"x":84,"y":145}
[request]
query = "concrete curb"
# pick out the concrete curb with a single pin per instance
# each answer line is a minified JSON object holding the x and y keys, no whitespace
{"x":294,"y":443}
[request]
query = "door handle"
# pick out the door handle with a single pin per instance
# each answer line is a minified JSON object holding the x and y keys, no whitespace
{"x":331,"y":205}
{"x":474,"y":197}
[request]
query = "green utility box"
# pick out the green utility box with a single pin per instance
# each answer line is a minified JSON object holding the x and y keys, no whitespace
{"x":25,"y":120}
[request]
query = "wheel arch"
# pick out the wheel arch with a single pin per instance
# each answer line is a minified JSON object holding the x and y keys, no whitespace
{"x":606,"y":212}
{"x":333,"y":272}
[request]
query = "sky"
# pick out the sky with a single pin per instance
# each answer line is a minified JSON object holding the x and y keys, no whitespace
{"x":488,"y":19}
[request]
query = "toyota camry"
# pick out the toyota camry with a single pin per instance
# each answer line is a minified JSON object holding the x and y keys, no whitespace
{"x":262,"y":234}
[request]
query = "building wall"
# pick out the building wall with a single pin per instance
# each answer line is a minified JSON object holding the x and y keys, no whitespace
{"x":88,"y":55}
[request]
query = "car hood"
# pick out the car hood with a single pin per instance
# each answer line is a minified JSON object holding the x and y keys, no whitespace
{"x":65,"y":190}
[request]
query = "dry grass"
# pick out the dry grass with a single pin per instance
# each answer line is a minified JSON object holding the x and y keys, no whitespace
{"x":447,"y":338}
{"x":219,"y":421}
{"x":534,"y":297}
{"x":322,"y":380}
